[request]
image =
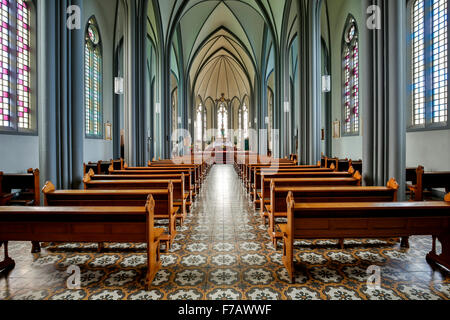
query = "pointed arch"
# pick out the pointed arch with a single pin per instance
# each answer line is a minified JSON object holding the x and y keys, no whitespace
{"x":93,"y":80}
{"x":350,"y":77}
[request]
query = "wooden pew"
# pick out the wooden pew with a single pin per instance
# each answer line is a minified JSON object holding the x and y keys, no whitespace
{"x":102,"y":167}
{"x":357,"y":165}
{"x":293,"y":173}
{"x":196,"y":178}
{"x":190,"y":185}
{"x":277,"y":208}
{"x":91,"y":166}
{"x":179,"y":195}
{"x":249,"y":176}
{"x":366,"y":220}
{"x":264,"y":197}
{"x":164,"y":204}
{"x":85,"y":224}
{"x":427,"y":181}
{"x":28,"y":183}
{"x":160,"y":176}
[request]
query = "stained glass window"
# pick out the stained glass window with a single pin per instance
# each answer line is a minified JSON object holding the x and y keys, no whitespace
{"x":429,"y":80}
{"x":15,"y":64}
{"x":350,"y":72}
{"x":5,"y":67}
{"x":440,"y":71}
{"x":93,"y":80}
{"x":23,"y":63}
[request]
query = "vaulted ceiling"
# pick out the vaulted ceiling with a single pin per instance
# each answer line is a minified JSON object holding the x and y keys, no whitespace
{"x":221,"y":44}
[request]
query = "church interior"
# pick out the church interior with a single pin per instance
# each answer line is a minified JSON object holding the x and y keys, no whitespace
{"x":224,"y":150}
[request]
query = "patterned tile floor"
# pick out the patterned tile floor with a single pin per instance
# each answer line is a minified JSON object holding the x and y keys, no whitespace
{"x":223,"y":252}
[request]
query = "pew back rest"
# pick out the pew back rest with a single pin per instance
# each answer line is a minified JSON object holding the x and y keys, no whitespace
{"x":367,"y":219}
{"x":28,"y":183}
{"x":291,"y":182}
{"x":84,"y":224}
{"x":163,"y":198}
{"x":278,"y":195}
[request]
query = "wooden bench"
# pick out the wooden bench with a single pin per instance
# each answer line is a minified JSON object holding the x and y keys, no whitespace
{"x":102,"y":167}
{"x":249,"y":178}
{"x":277,"y":208}
{"x":164,"y":204}
{"x":295,"y":173}
{"x":26,"y":183}
{"x":195,"y":178}
{"x":427,"y":181}
{"x":264,"y":196}
{"x":160,"y":176}
{"x":85,"y":224}
{"x":366,"y":220}
{"x":179,"y":196}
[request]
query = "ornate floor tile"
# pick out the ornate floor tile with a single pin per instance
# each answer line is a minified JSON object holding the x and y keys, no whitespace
{"x":302,"y":293}
{"x":223,"y":277}
{"x":224,"y":294}
{"x":223,"y":251}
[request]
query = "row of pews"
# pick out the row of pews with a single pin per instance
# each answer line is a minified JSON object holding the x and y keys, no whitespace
{"x":325,"y":202}
{"x":121,"y":206}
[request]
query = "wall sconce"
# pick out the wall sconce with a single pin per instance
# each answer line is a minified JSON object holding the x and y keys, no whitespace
{"x":287,"y":107}
{"x":326,"y":83}
{"x":118,"y":85}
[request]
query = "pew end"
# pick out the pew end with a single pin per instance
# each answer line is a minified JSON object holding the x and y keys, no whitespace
{"x":357,"y":176}
{"x":48,"y":187}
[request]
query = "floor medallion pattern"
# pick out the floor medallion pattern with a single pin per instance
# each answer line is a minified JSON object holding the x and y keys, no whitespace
{"x":223,"y":252}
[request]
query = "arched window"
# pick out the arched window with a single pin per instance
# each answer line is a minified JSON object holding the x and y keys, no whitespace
{"x":222,"y":121}
{"x":429,"y":80}
{"x":199,"y":122}
{"x":93,"y":80}
{"x":245,"y":115}
{"x":350,"y":72}
{"x":15,"y":64}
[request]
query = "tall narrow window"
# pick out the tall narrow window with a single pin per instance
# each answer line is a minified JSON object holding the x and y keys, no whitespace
{"x":429,"y":64}
{"x":222,"y":120}
{"x":418,"y":63}
{"x":15,"y":64}
{"x":199,"y":122}
{"x":23,"y":65}
{"x":350,"y":65}
{"x":440,"y":50}
{"x":245,"y":110}
{"x":5,"y":67}
{"x":93,"y":80}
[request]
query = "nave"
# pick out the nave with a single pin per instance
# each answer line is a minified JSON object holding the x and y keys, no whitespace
{"x":223,"y":251}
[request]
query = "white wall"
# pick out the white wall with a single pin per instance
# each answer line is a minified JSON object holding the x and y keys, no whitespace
{"x":430,"y":149}
{"x":18,"y":153}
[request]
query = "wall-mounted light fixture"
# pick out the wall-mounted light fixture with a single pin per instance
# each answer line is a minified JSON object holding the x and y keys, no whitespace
{"x":267,"y":120}
{"x":158,"y":107}
{"x":326,"y":83}
{"x":287,"y":107}
{"x":118,"y":85}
